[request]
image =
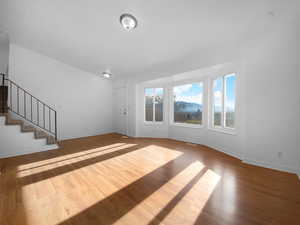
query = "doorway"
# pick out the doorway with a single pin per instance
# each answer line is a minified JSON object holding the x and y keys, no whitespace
{"x":120,"y":110}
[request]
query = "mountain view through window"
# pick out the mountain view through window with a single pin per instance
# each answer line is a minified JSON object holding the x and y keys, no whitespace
{"x":188,"y":103}
{"x":224,"y":101}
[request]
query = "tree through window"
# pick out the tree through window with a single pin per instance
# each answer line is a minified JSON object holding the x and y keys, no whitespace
{"x":154,"y":104}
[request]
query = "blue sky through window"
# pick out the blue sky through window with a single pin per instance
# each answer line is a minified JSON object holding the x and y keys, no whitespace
{"x":230,"y":92}
{"x":192,"y":93}
{"x":230,"y":81}
{"x":218,"y":89}
{"x":149,"y":91}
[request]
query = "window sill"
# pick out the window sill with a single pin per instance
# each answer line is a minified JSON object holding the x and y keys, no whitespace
{"x":148,"y":123}
{"x":224,"y":130}
{"x":186,"y":125}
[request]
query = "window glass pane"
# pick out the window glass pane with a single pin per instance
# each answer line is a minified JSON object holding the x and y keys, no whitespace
{"x":149,"y":93}
{"x":159,"y":92}
{"x":217,"y":101}
{"x":230,"y":100}
{"x":188,"y":103}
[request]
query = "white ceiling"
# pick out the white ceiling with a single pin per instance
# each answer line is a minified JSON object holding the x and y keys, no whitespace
{"x":172,"y":35}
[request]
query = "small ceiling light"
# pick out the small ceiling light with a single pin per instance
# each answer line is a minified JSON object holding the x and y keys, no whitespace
{"x":128,"y":21}
{"x":106,"y":74}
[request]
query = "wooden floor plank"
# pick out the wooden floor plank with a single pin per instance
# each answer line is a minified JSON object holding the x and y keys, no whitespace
{"x":110,"y":179}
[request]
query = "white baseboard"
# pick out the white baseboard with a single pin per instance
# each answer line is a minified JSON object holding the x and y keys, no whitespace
{"x":247,"y":161}
{"x":218,"y":148}
{"x":45,"y":148}
{"x":270,"y":166}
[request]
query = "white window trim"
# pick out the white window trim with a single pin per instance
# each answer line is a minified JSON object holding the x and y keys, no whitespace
{"x":187,"y":125}
{"x":222,"y":128}
{"x":153,"y":122}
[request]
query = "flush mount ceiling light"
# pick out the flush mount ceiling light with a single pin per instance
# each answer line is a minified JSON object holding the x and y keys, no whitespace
{"x":106,"y":74}
{"x":128,"y":21}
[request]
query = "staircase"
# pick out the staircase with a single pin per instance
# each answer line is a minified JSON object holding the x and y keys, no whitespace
{"x":20,"y":108}
{"x":26,"y":128}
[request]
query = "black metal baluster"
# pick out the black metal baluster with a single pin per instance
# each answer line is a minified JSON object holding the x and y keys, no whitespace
{"x":18,"y":99}
{"x":3,"y":97}
{"x":31,"y":107}
{"x":10,"y":90}
{"x":38,"y":112}
{"x":55,"y":125}
{"x":49,"y":120}
{"x":44,"y":115}
{"x":25,"y":104}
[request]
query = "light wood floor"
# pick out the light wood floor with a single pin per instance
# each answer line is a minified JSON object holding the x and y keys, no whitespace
{"x":112,"y":179}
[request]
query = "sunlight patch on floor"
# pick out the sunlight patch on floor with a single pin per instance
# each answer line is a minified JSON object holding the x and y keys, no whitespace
{"x":160,"y":198}
{"x":68,"y":187}
{"x":129,"y":167}
{"x":68,"y":159}
{"x":68,"y":156}
{"x":192,"y":204}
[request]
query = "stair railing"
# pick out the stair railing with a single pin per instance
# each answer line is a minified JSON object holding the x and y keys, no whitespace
{"x":30,"y":108}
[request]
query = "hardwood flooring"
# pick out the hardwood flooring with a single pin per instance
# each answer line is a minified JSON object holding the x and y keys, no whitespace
{"x":112,"y":179}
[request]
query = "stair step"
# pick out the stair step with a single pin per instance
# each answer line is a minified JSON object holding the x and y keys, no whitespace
{"x":38,"y":134}
{"x":13,"y":122}
{"x":51,"y":140}
{"x":28,"y":128}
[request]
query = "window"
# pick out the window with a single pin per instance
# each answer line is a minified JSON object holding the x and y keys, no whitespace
{"x":223,"y":101}
{"x":188,"y":104}
{"x":154,"y":104}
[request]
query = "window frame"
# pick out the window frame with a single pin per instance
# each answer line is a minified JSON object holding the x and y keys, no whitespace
{"x":144,"y":105}
{"x":188,"y":125}
{"x":223,"y":128}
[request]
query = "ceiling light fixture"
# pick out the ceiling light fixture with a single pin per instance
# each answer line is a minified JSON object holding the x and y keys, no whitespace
{"x":106,"y":74}
{"x":128,"y":21}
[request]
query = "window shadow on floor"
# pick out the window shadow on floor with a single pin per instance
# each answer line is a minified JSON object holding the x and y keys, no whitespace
{"x":176,"y":200}
{"x":112,"y":208}
{"x":70,"y":166}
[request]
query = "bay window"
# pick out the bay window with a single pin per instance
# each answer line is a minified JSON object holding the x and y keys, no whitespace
{"x":154,"y":104}
{"x":188,"y":104}
{"x":223,"y":102}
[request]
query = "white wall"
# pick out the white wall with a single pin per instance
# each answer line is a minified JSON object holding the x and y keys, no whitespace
{"x":83,"y":100}
{"x":269,"y":102}
{"x":272,"y":70}
{"x":4,"y":52}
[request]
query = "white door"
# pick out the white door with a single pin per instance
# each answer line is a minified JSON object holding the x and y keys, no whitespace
{"x":120,"y":110}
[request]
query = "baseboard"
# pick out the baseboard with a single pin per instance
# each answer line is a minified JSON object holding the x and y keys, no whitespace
{"x":271,"y":166}
{"x":225,"y":151}
{"x":247,"y":161}
{"x":239,"y":156}
{"x":45,"y":148}
{"x":218,"y":148}
{"x":87,"y":136}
